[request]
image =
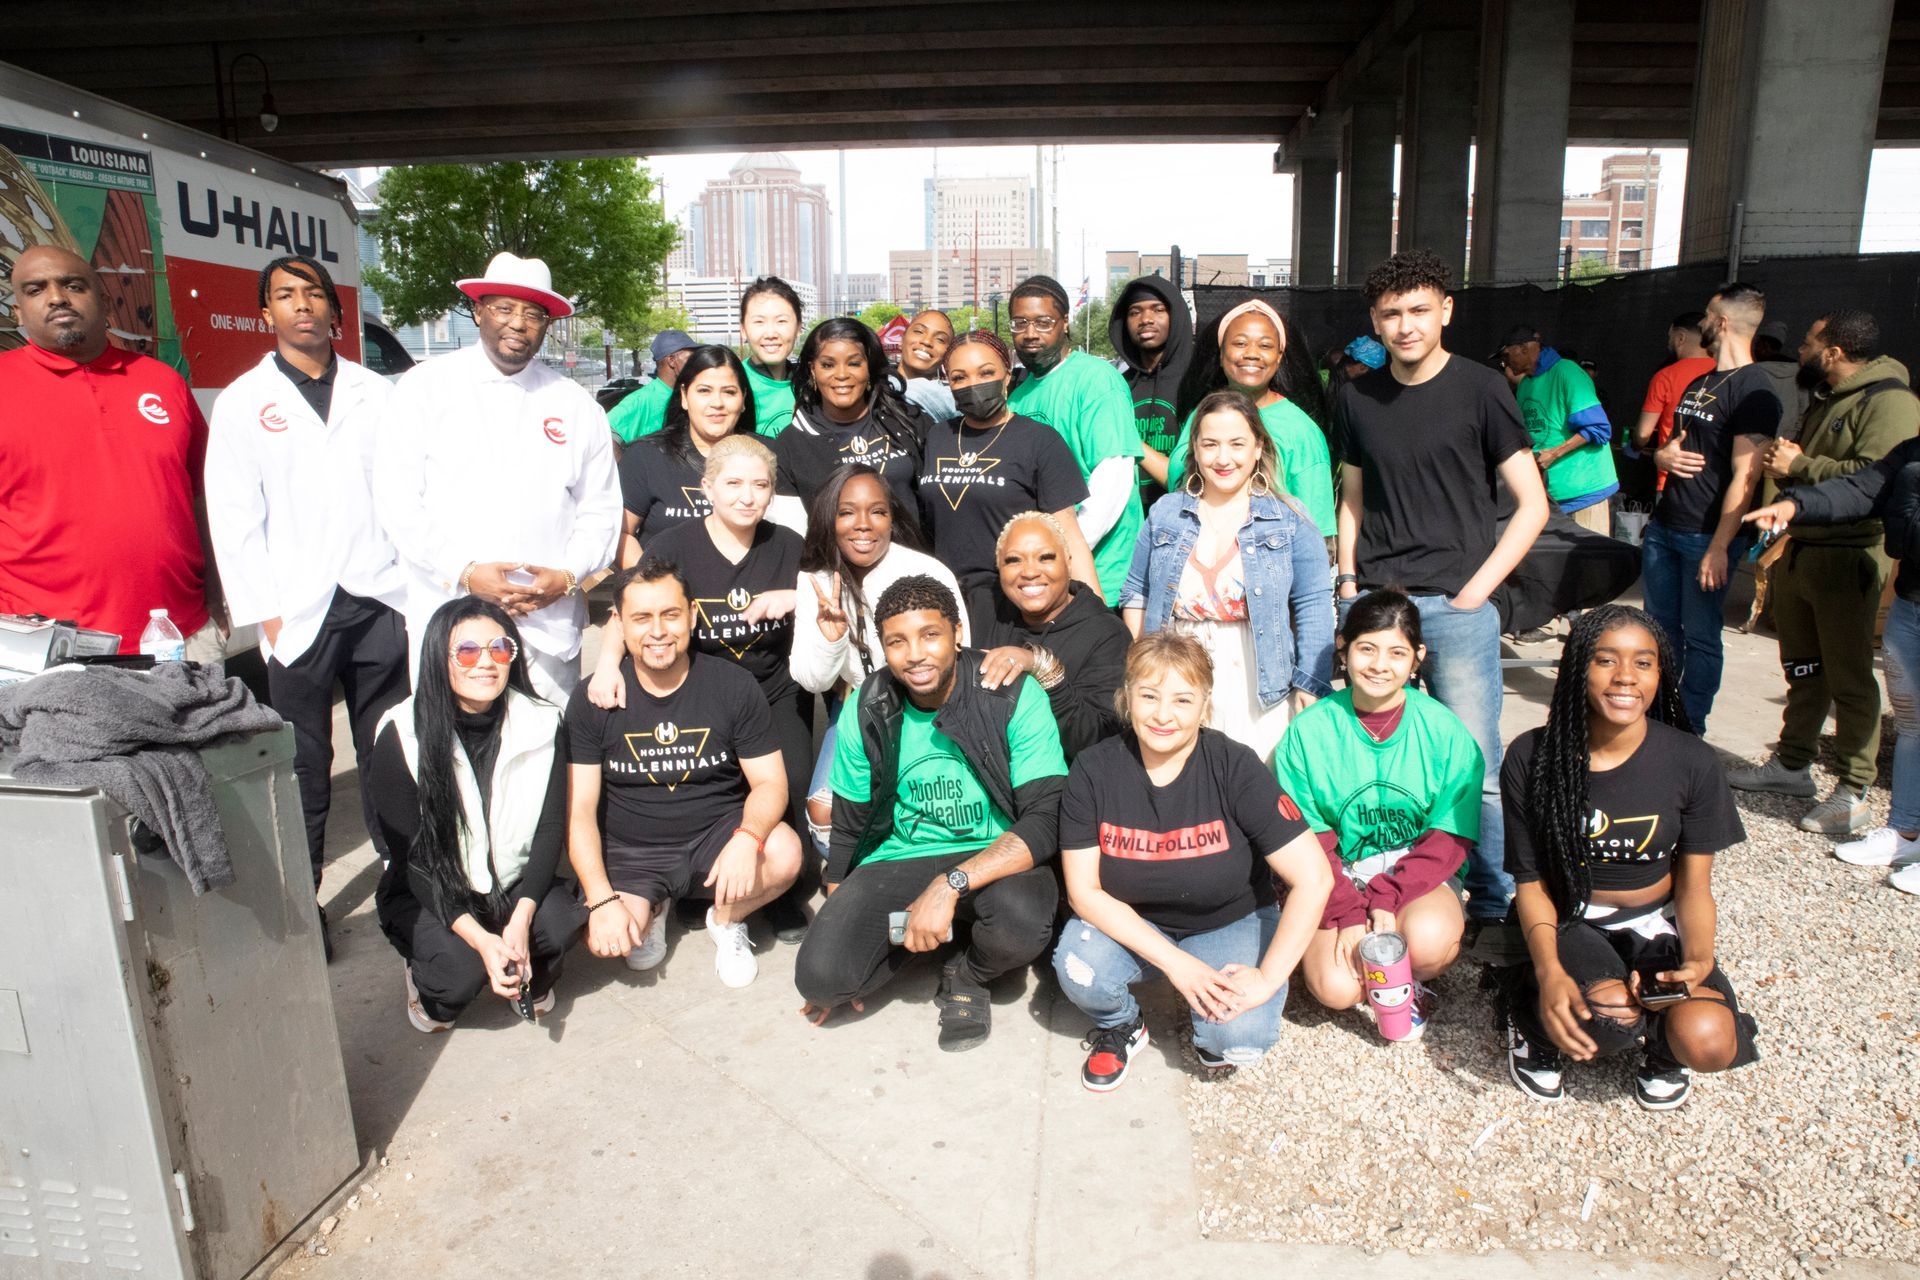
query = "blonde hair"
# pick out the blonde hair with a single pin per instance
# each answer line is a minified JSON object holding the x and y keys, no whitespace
{"x":1158,"y":653}
{"x":737,"y":446}
{"x":1052,"y":523}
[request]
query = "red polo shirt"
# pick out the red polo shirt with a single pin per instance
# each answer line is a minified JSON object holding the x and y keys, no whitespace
{"x":99,"y":467}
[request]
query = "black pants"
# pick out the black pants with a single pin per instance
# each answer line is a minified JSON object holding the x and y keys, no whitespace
{"x":793,"y":729}
{"x":362,"y":645}
{"x":449,"y":974}
{"x":847,"y":955}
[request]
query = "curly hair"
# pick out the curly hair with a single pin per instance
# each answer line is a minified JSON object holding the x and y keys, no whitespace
{"x":1406,"y":271}
{"x":911,"y":593}
{"x":1557,"y":807}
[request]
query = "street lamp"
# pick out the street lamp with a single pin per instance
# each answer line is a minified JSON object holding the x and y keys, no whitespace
{"x":269,"y":113}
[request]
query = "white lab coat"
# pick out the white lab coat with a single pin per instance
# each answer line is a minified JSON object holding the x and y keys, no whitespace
{"x":476,"y":465}
{"x":290,"y":501}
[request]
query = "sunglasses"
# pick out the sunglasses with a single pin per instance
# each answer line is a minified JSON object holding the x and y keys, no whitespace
{"x":501,"y":649}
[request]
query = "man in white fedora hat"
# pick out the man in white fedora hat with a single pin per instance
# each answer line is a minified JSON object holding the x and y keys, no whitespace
{"x":495,"y":476}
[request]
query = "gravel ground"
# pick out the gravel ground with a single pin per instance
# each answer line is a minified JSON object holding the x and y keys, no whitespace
{"x":1808,"y":1156}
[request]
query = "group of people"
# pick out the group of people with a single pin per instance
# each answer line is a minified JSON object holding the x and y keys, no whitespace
{"x":1076,"y":631}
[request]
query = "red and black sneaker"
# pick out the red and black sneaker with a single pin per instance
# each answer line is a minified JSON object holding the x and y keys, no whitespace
{"x":1109,"y":1050}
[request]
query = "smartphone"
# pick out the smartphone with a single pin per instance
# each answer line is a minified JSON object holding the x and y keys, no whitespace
{"x":524,"y":1001}
{"x":897,"y":929}
{"x":1655,"y":994}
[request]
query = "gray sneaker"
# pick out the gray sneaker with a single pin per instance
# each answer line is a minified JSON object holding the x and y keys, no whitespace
{"x":1775,"y":777}
{"x":1840,"y":814}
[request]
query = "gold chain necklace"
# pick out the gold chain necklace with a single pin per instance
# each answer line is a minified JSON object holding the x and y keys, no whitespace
{"x":970,"y":456}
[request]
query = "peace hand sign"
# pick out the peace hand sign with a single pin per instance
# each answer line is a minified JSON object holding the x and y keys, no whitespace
{"x":833,"y":614}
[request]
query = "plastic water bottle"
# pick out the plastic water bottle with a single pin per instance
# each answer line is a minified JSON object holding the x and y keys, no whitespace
{"x":161,"y":640}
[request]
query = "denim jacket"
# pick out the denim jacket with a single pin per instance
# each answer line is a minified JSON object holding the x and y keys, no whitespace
{"x":1289,"y":587}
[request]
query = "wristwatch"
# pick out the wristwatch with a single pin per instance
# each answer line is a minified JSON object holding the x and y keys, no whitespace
{"x":957,"y":880}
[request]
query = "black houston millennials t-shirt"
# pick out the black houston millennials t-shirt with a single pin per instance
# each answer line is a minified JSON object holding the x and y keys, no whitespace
{"x":670,"y":766}
{"x":1190,"y":856}
{"x":973,"y":481}
{"x":810,"y":449}
{"x":722,"y":590}
{"x":1427,"y":456}
{"x":1670,"y":796}
{"x":661,"y":487}
{"x":1715,"y":408}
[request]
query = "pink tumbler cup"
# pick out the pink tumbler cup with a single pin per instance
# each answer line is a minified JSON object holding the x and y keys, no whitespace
{"x":1387,"y":974}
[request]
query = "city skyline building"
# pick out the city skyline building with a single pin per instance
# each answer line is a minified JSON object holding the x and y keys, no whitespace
{"x":760,"y":220}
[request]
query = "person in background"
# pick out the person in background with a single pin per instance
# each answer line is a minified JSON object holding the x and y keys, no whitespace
{"x":1690,"y":360}
{"x":1173,"y":837}
{"x":494,"y":475}
{"x":1362,"y":356}
{"x":1826,"y":589}
{"x":1792,"y":381}
{"x":1153,"y":332}
{"x":1086,"y":400}
{"x":469,"y":790}
{"x":645,"y":411}
{"x":923,"y":350}
{"x":290,"y":508}
{"x":1614,"y":814}
{"x":102,"y":518}
{"x":1038,"y":620}
{"x":847,"y":410}
{"x":1569,"y":426}
{"x":660,"y":475}
{"x":769,"y":326}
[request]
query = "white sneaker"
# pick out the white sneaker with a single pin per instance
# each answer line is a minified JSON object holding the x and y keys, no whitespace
{"x":732,"y":952}
{"x":416,"y":1013}
{"x":650,"y":953}
{"x":1880,"y":847}
{"x":1907,"y":878}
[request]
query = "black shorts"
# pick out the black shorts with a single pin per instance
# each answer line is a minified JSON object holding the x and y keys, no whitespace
{"x":658,"y":872}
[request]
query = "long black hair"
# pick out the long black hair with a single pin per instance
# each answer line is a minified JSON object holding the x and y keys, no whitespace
{"x":676,"y":437}
{"x":1557,"y":806}
{"x":436,"y":846}
{"x":1296,"y":378}
{"x":903,"y":425}
{"x":821,"y":553}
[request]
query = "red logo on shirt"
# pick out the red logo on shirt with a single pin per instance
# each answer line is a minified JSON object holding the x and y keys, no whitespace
{"x":1163,"y":846}
{"x":555,"y":430}
{"x":153,"y":409}
{"x":1288,"y":809}
{"x":271,"y":418}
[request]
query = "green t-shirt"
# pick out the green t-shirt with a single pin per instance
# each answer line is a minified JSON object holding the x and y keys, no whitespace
{"x":1547,"y":401}
{"x":939,"y":806}
{"x":642,"y":412}
{"x":772,"y":401}
{"x":1306,"y":468}
{"x":1381,"y":796}
{"x":1087,"y":401}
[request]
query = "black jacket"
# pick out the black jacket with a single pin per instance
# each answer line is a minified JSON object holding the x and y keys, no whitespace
{"x":976,"y":720}
{"x":1156,"y":392}
{"x":1889,"y":490}
{"x":1091,"y":643}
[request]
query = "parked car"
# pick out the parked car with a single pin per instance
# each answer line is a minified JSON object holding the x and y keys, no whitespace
{"x":612,"y":393}
{"x":384,"y":354}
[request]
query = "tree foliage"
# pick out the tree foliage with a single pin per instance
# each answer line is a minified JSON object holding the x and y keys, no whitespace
{"x":1090,"y":328}
{"x":598,"y":224}
{"x":879,"y":313}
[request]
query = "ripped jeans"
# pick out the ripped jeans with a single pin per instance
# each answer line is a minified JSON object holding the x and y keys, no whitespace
{"x":1098,"y":975}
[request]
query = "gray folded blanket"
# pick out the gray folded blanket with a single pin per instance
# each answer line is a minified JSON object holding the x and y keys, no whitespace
{"x":133,"y":735}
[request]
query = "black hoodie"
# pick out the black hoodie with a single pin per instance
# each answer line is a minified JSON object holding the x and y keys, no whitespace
{"x":1154,"y":392}
{"x":1091,"y":643}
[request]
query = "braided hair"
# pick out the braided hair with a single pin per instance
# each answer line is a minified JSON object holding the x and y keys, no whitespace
{"x":1557,"y":805}
{"x":890,"y":412}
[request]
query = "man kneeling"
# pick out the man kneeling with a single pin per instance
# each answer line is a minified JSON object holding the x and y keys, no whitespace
{"x":945,"y":796}
{"x":692,"y":783}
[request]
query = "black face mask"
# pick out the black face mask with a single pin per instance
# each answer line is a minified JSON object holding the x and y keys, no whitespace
{"x":981,"y":401}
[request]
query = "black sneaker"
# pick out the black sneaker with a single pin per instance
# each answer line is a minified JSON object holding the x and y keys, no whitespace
{"x":966,"y":1009}
{"x":1660,"y":1085}
{"x":1109,"y":1050}
{"x":326,"y":936}
{"x":1212,"y":1062}
{"x":787,"y":918}
{"x":1535,"y":1068}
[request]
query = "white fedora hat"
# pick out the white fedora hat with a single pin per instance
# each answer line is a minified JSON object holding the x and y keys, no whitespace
{"x":511,"y":276}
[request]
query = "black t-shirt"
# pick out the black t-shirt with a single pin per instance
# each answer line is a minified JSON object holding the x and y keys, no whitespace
{"x":972,"y":482}
{"x":810,"y":449}
{"x":1714,"y":409}
{"x":1428,"y":456}
{"x":722,"y":590}
{"x":660,"y":487}
{"x":1190,"y":856}
{"x":1670,"y":796}
{"x":670,"y":767}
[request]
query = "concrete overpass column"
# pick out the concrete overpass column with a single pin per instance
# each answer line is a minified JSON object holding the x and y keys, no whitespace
{"x":1785,"y":103}
{"x":1435,"y":140}
{"x":1366,"y":186}
{"x":1315,"y":214}
{"x":1526,"y":72}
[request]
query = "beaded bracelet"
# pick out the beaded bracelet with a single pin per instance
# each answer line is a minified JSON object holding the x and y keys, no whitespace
{"x":595,"y":906}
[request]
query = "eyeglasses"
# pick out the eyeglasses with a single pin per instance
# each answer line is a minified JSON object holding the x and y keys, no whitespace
{"x":1043,"y":324}
{"x":501,"y":649}
{"x":507,"y":313}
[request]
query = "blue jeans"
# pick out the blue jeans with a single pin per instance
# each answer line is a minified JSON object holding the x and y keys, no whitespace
{"x":1098,"y":974}
{"x":1692,"y":618}
{"x":822,"y":771}
{"x":1901,"y":647}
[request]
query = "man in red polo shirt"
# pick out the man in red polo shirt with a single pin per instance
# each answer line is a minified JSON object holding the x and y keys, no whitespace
{"x":100,"y":459}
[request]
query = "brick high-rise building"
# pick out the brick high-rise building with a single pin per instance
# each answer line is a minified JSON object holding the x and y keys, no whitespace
{"x":761,"y":220}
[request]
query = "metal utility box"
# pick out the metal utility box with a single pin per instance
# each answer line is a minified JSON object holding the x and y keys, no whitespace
{"x":172,"y":1096}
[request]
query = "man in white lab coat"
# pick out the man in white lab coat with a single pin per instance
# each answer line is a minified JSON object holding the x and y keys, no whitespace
{"x":290,"y":509}
{"x":494,"y":476}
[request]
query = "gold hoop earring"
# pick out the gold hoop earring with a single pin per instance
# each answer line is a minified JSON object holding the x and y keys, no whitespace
{"x":1193,"y":478}
{"x":1262,"y":487}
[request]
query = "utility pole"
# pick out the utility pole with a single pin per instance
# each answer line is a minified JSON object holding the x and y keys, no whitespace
{"x":844,"y":300}
{"x":1055,"y":194}
{"x":933,"y":236}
